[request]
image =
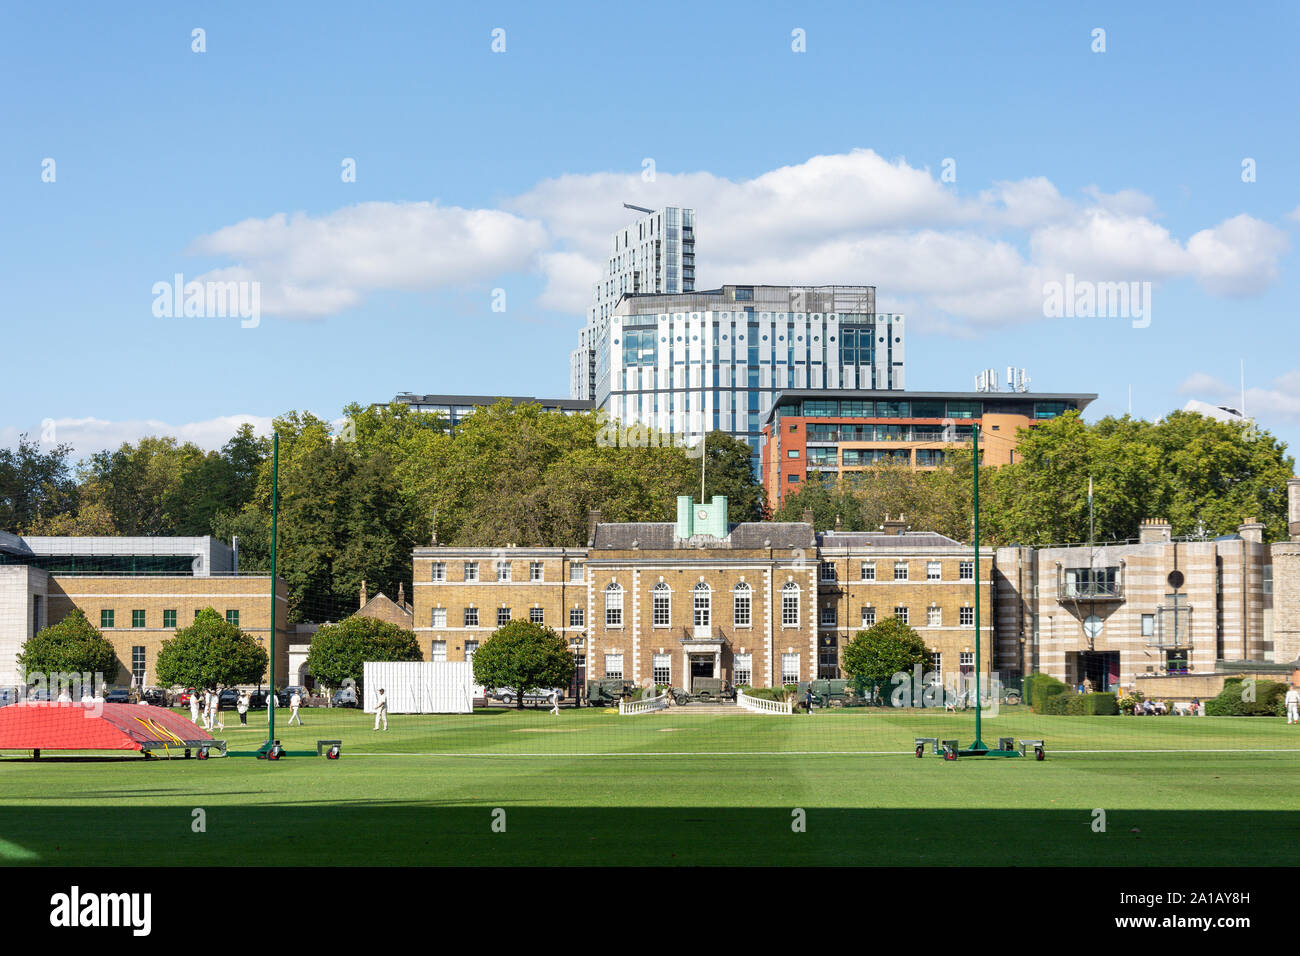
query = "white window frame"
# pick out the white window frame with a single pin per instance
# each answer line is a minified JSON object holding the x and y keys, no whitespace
{"x":504,"y":571}
{"x":934,"y":571}
{"x":966,"y":571}
{"x":439,"y":617}
{"x":438,"y":571}
{"x":661,"y":668}
{"x":901,"y":613}
{"x":614,"y":605}
{"x":536,"y":571}
{"x":661,"y":599}
{"x":503,"y":616}
{"x":789,"y":603}
{"x":702,"y":605}
{"x":868,"y":570}
{"x":934,"y":616}
{"x":743,"y":600}
{"x":966,"y":612}
{"x":903,"y":567}
{"x":868,"y":616}
{"x":471,"y":570}
{"x":536,"y":615}
{"x":438,"y":651}
{"x":614,"y":666}
{"x":787,"y":661}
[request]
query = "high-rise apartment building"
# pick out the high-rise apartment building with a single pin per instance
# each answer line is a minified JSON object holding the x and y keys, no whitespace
{"x":694,"y":362}
{"x":655,"y":254}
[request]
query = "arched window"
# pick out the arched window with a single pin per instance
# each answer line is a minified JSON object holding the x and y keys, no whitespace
{"x":790,"y":605}
{"x":661,"y":605}
{"x":743,"y":605}
{"x":703,"y":604}
{"x":614,"y":605}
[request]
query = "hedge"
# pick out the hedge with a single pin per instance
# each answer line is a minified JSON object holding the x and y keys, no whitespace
{"x":1038,"y":688}
{"x":1268,"y":702}
{"x":1070,"y":704}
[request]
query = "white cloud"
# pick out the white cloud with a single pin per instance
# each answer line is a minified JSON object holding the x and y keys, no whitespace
{"x":851,"y":218}
{"x":318,"y":265}
{"x":90,"y":435}
{"x":1238,"y":256}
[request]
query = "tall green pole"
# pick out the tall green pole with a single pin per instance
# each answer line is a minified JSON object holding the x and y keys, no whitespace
{"x":979,"y":741}
{"x":275,"y":513}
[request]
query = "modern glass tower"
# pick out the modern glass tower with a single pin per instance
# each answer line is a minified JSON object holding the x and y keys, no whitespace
{"x":694,"y":362}
{"x":655,"y":254}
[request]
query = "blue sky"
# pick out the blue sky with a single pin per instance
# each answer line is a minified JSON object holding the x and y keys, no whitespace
{"x":478,"y":170}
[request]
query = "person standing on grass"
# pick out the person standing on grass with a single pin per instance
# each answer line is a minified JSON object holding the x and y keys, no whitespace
{"x":194,"y":706}
{"x":808,"y":699}
{"x":295,"y":701}
{"x":1292,"y":705}
{"x":381,"y":709}
{"x":241,"y":705}
{"x":555,"y":702}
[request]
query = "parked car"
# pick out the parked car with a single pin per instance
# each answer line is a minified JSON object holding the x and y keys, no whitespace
{"x":345,"y":697}
{"x":540,"y":695}
{"x":283,"y":694}
{"x":156,"y":696}
{"x":117,"y":695}
{"x":229,"y":698}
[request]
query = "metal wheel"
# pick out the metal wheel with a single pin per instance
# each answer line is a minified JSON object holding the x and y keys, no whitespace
{"x":705,"y":697}
{"x":920,"y":750}
{"x":1039,"y":753}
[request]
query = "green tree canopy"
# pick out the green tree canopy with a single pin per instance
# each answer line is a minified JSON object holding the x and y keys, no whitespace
{"x":875,"y":655}
{"x":525,"y":656}
{"x":35,"y":486}
{"x":211,"y":653}
{"x":74,"y":645}
{"x":339,"y":651}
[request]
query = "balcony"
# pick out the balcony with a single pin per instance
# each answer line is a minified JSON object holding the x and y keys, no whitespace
{"x":1089,"y":584}
{"x":1090,"y":591}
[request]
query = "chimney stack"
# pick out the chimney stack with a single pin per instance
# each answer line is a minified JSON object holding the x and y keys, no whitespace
{"x":363,"y":592}
{"x":895,"y":525}
{"x":1293,"y":508}
{"x":837,"y":522}
{"x":1155,"y":531}
{"x":1252,"y":530}
{"x":593,"y":519}
{"x":401,"y":593}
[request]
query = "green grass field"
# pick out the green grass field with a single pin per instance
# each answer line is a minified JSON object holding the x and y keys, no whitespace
{"x":590,"y":787}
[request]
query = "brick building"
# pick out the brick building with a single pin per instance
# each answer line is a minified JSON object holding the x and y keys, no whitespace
{"x":833,"y":433}
{"x":137,"y":591}
{"x":758,"y":603}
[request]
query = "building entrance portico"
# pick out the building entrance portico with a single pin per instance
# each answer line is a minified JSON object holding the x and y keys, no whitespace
{"x":701,"y":658}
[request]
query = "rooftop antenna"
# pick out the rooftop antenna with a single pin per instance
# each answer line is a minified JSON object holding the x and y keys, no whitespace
{"x":1243,"y":389}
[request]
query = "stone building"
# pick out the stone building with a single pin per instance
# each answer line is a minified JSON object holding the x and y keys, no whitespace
{"x":1286,"y":582}
{"x":1122,"y":614}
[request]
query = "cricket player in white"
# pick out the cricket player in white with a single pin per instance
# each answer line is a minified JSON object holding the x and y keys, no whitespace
{"x":555,"y":703}
{"x":295,"y":701}
{"x":381,"y":709}
{"x":194,"y":706}
{"x":207,"y":710}
{"x":1293,"y":706}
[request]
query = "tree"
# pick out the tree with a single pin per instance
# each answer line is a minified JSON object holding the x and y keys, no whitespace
{"x":73,"y":646}
{"x":211,"y":653}
{"x":338,"y":651}
{"x":524,"y":656}
{"x":727,"y":471}
{"x":35,"y":486}
{"x":875,"y":655}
